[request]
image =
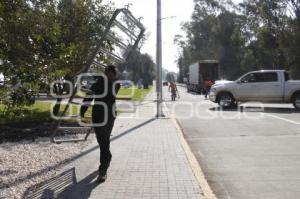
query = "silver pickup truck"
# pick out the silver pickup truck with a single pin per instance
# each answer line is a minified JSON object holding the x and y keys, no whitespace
{"x":259,"y":86}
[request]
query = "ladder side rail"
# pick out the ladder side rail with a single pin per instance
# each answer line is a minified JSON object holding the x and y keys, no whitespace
{"x":136,"y":43}
{"x":96,"y":51}
{"x":93,"y":55}
{"x":132,"y":18}
{"x":100,"y":42}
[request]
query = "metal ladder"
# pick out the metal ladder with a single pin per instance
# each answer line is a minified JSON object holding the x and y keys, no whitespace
{"x":92,"y":64}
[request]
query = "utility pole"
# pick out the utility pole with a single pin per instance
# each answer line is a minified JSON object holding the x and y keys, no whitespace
{"x":159,"y":62}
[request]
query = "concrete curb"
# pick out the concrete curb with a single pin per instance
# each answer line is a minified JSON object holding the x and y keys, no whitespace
{"x":203,"y":184}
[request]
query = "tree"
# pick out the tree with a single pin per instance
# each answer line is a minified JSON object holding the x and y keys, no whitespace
{"x":140,"y":66}
{"x":171,"y":77}
{"x":256,"y":34}
{"x":276,"y":38}
{"x":184,"y":59}
{"x":213,"y":33}
{"x":42,"y":40}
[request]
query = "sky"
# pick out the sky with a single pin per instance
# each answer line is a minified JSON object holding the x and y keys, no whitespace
{"x":182,"y":9}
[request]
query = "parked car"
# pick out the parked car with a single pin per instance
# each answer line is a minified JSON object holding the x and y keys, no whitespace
{"x":1,"y":80}
{"x":261,"y":86}
{"x":86,"y":81}
{"x":165,"y":84}
{"x":126,"y":83}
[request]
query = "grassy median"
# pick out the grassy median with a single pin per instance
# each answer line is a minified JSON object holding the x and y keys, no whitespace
{"x":40,"y":111}
{"x":133,"y":93}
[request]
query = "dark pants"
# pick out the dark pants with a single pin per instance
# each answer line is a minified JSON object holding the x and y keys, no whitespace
{"x":207,"y":90}
{"x":173,"y":95}
{"x":103,"y":137}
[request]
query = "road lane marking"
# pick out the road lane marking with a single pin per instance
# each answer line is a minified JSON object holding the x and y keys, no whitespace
{"x":196,"y":168}
{"x":284,"y":119}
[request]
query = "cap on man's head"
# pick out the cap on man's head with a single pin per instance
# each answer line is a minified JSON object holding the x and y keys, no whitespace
{"x":111,"y":68}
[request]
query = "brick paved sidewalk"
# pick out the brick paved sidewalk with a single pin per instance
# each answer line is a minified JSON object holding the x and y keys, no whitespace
{"x":148,"y":162}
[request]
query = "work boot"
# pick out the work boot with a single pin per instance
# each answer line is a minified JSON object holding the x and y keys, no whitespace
{"x":101,"y":177}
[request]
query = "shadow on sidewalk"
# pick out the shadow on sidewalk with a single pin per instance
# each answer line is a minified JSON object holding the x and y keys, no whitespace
{"x":82,"y":189}
{"x":66,"y":176}
{"x":132,"y":129}
{"x":50,"y":188}
{"x":145,"y":102}
{"x":63,"y":186}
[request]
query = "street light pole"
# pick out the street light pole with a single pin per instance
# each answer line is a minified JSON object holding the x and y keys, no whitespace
{"x":159,"y":62}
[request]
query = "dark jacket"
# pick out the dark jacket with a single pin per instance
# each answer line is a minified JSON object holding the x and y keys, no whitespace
{"x":109,"y":100}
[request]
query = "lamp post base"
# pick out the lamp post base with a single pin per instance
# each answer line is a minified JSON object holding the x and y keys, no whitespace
{"x":162,"y":115}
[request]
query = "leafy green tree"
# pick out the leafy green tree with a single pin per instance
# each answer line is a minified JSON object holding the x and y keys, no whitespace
{"x":213,"y":33}
{"x":171,"y":77}
{"x":139,"y":66}
{"x":184,"y":59}
{"x":256,"y":34}
{"x":276,"y":33}
{"x":42,"y":40}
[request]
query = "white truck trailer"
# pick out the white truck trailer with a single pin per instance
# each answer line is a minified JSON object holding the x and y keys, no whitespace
{"x":201,"y":71}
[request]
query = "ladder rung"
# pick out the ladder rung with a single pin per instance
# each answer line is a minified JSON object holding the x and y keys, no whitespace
{"x":113,"y":56}
{"x":79,"y":103}
{"x":126,"y":30}
{"x":117,"y":41}
{"x":73,"y":116}
{"x":69,"y":140}
{"x":74,"y":127}
{"x":75,"y":103}
{"x":99,"y":64}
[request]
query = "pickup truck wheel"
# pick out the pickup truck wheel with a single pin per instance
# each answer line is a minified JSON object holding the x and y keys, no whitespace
{"x":296,"y":101}
{"x":226,"y":100}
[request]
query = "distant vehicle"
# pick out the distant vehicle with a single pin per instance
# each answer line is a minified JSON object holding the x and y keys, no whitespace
{"x":165,"y":83}
{"x":262,"y":86}
{"x":185,"y":80}
{"x":201,"y":71}
{"x":86,"y":81}
{"x":1,"y":80}
{"x":126,"y":83}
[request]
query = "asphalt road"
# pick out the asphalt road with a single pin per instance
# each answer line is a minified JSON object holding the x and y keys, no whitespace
{"x":252,"y":152}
